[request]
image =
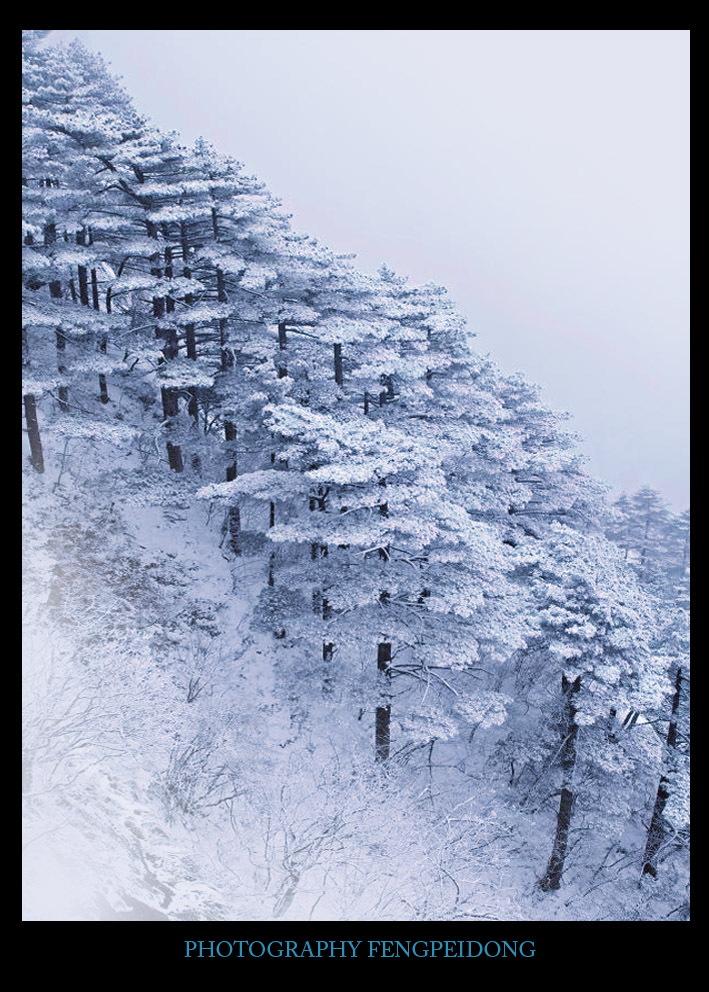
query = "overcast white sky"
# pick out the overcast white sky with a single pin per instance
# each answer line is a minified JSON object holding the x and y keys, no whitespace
{"x":541,"y":176}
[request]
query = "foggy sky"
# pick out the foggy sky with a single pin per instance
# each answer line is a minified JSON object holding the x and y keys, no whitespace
{"x":541,"y":176}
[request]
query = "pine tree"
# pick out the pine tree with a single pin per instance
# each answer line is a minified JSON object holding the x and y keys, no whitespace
{"x":656,"y":543}
{"x":73,"y":113}
{"x":595,"y":630}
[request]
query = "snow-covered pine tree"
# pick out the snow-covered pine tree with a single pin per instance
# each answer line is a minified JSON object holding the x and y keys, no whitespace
{"x":238,"y":257}
{"x":388,"y":515}
{"x":74,"y":112}
{"x":641,"y":525}
{"x":656,"y":544}
{"x":593,"y":642}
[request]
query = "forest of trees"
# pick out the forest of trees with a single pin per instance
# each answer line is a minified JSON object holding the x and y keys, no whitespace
{"x":324,"y":617}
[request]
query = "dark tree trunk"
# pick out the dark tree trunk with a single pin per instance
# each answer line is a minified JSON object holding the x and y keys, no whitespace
{"x":83,"y":280}
{"x":190,"y":342}
{"x":656,"y":833}
{"x":234,"y":513}
{"x":383,"y":714}
{"x":190,"y":336}
{"x":555,"y":868}
{"x":226,"y":355}
{"x":103,"y":388}
{"x":328,"y":647}
{"x":383,"y":506}
{"x":383,"y":512}
{"x":230,"y":435}
{"x":320,"y":603}
{"x":282,"y":344}
{"x":337,"y":348}
{"x":169,"y":300}
{"x":184,"y":242}
{"x":611,"y":729}
{"x":174,"y":457}
{"x":170,"y":399}
{"x":94,"y":290}
{"x":193,"y":405}
{"x":327,"y":653}
{"x":102,"y":385}
{"x":55,"y":291}
{"x":170,"y":402}
{"x":61,"y":368}
{"x":280,"y":634}
{"x":235,"y":529}
{"x":271,"y":523}
{"x":387,"y":394}
{"x":36,"y":456}
{"x":171,"y":348}
{"x":170,"y":408}
{"x":83,"y":286}
{"x":382,"y":719}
